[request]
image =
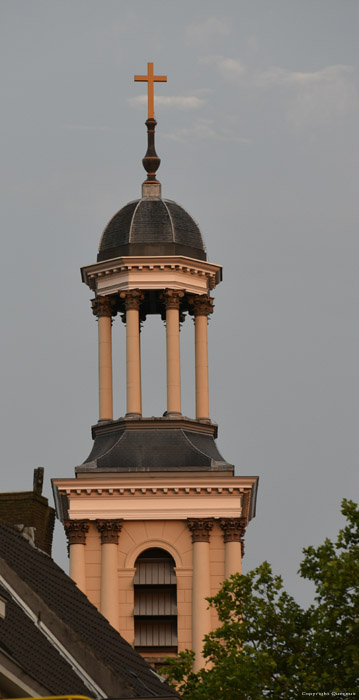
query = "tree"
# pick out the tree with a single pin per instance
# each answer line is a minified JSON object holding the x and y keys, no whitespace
{"x":268,"y":646}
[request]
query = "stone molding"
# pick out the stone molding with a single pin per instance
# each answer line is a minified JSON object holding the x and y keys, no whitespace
{"x":132,"y":299}
{"x":205,"y":489}
{"x":200,"y":528}
{"x":109,"y":530}
{"x":234,"y":530}
{"x":201,"y":305}
{"x":104,"y":306}
{"x":172,"y":298}
{"x":76,"y":531}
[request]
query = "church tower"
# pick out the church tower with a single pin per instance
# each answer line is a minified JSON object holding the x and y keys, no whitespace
{"x":155,"y":517}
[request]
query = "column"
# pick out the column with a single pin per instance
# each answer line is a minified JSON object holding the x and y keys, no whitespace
{"x":109,"y":530}
{"x":172,"y":301}
{"x":202,"y":307}
{"x":103,"y":308}
{"x":132,"y":300}
{"x":201,"y":585}
{"x":76,"y":535}
{"x":233,"y":534}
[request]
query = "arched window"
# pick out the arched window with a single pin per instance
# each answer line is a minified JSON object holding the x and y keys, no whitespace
{"x":155,"y":602}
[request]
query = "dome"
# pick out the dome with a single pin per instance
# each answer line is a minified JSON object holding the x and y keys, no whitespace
{"x":151,"y":226}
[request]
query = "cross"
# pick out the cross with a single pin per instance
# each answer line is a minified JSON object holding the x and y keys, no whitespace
{"x":150,"y":79}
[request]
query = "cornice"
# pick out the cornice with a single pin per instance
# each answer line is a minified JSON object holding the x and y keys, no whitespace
{"x":153,"y":266}
{"x":150,"y":490}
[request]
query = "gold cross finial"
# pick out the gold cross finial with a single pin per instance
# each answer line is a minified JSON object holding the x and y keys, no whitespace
{"x":150,"y":79}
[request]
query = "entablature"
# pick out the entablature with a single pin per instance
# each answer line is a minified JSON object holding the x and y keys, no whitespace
{"x":151,"y":273}
{"x":167,"y":498}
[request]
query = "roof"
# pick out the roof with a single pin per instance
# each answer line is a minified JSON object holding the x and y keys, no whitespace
{"x":19,"y":637}
{"x":46,"y":598}
{"x":151,"y":226}
{"x":153,"y":445}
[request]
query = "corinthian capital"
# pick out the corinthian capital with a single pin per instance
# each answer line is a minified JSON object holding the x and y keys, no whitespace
{"x":104,"y":306}
{"x":132,"y":299}
{"x":201,"y":305}
{"x":200,"y":528}
{"x":76,"y":531}
{"x":109,"y":530}
{"x":172,"y":298}
{"x":234,"y":530}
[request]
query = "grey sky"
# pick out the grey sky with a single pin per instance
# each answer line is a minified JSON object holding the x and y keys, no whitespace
{"x":257,"y":131}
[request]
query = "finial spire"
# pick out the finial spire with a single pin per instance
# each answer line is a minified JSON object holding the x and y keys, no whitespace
{"x":151,"y":161}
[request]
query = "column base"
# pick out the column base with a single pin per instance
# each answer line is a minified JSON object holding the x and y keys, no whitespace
{"x":172,"y":414}
{"x":135,"y":416}
{"x":203,"y":420}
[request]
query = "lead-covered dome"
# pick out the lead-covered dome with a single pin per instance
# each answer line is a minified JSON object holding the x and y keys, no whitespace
{"x":151,"y":227}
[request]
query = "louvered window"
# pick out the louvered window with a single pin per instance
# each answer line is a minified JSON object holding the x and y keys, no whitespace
{"x":155,"y":602}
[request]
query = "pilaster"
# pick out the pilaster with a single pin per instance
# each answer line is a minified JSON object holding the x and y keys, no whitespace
{"x":109,"y":531}
{"x":76,"y":534}
{"x":233,"y":536}
{"x":200,"y":529}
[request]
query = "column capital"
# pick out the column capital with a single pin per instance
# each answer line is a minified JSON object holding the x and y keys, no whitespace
{"x":200,"y":528}
{"x":200,"y":305}
{"x":104,"y":306}
{"x":132,"y":299}
{"x":76,"y":531}
{"x":109,"y":530}
{"x":233,"y":530}
{"x":172,"y":298}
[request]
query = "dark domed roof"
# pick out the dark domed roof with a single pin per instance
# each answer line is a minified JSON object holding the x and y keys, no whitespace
{"x":151,"y":227}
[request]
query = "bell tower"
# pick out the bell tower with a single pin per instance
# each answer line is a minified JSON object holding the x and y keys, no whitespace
{"x":155,"y":517}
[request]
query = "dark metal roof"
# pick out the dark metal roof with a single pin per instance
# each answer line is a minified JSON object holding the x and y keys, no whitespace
{"x":151,"y":227}
{"x":164,"y":445}
{"x":85,"y":629}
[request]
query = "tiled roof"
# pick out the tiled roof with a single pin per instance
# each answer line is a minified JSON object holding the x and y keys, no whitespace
{"x":28,"y":648}
{"x":62,"y":597}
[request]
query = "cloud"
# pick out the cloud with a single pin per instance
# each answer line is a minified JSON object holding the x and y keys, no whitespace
{"x":312,"y":96}
{"x":281,"y":76}
{"x":208,"y":30}
{"x":182,"y":103}
{"x":205,"y":129}
{"x":230,"y":69}
{"x":319,"y":97}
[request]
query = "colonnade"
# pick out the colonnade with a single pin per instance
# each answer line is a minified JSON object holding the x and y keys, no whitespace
{"x":233,"y":532}
{"x":200,"y":306}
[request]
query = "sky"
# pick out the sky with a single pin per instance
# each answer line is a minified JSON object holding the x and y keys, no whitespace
{"x":258,"y":137}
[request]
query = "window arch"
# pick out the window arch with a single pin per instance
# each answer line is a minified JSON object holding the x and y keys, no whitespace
{"x":155,"y":598}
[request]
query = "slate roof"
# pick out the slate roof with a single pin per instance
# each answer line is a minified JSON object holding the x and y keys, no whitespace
{"x":132,"y":449}
{"x":151,"y":227}
{"x":83,"y":621}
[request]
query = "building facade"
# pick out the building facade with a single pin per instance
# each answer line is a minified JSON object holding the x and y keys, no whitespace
{"x":155,"y":517}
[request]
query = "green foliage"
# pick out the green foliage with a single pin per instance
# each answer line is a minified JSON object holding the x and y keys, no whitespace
{"x":268,"y":646}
